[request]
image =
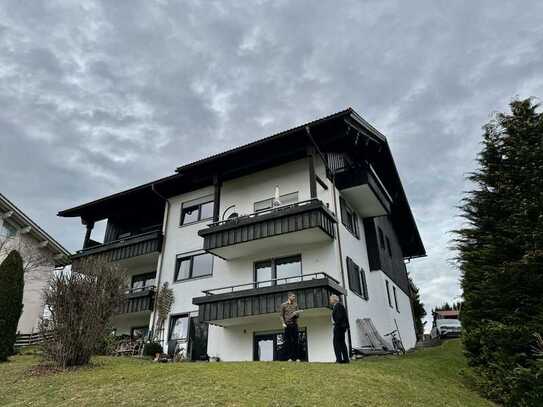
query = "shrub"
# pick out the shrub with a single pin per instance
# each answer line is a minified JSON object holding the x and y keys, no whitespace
{"x":106,"y":344}
{"x":11,"y":301}
{"x":152,"y":348}
{"x":82,"y":304}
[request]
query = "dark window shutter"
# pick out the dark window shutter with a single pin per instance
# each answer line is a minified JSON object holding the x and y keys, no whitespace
{"x":364,"y":284}
{"x":354,"y":276}
{"x":356,"y":231}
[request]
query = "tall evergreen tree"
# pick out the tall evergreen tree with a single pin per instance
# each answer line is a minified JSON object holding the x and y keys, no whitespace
{"x":11,"y":301}
{"x":501,"y":253}
{"x":418,"y":314}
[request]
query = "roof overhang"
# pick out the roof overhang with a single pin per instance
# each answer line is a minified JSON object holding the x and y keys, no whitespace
{"x":342,"y":131}
{"x":61,"y":256}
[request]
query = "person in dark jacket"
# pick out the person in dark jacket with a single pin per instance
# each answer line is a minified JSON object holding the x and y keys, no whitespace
{"x":341,"y":324}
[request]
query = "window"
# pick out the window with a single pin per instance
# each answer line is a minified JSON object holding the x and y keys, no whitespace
{"x":389,"y":250}
{"x":197,"y":210}
{"x":381,"y":238}
{"x":286,"y":199}
{"x":198,"y":265}
{"x":349,"y":218}
{"x":7,"y":230}
{"x":395,"y":298}
{"x":357,"y":279}
{"x":143,"y":281}
{"x":388,"y":294}
{"x":286,"y":269}
{"x":179,"y":325}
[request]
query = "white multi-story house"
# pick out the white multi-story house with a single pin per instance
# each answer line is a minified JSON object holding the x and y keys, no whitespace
{"x":41,"y":254}
{"x":318,"y":209}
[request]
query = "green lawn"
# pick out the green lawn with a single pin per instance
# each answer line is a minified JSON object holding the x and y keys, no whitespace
{"x":428,"y":377}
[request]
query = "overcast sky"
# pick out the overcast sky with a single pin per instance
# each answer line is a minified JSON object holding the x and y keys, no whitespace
{"x":96,"y":97}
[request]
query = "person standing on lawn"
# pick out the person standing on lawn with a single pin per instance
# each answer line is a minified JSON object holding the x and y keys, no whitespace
{"x":341,"y":324}
{"x":289,"y":314}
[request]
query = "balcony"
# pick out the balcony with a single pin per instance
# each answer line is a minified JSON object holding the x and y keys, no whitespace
{"x":242,"y":304}
{"x":125,"y":248}
{"x":364,"y":191}
{"x":301,"y":223}
{"x":139,"y":300}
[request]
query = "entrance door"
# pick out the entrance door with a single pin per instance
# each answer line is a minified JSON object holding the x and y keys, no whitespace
{"x":271,"y":346}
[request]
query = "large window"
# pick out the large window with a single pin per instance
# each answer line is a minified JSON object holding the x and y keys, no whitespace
{"x":197,"y":210}
{"x":143,"y":281}
{"x":286,"y":199}
{"x":388,"y":293}
{"x":193,"y":266}
{"x":349,"y":218}
{"x":357,"y":279}
{"x":395,"y":298}
{"x":284,"y":270}
{"x":7,"y":230}
{"x":179,"y":327}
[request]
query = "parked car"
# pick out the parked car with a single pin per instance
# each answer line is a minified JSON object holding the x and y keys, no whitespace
{"x":446,"y":328}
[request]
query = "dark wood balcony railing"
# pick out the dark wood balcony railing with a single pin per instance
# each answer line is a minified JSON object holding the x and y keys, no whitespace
{"x":301,"y":216}
{"x":139,"y":300}
{"x":132,"y":246}
{"x":219,"y":305}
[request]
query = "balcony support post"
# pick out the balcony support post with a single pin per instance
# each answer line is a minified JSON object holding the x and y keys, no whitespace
{"x":216,"y":197}
{"x":312,"y":176}
{"x":90,"y":225}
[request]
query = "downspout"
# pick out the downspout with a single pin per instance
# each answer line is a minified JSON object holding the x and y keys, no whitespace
{"x":334,"y":198}
{"x":160,"y":262}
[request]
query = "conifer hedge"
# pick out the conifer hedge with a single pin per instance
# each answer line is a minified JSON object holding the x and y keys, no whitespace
{"x":11,"y":301}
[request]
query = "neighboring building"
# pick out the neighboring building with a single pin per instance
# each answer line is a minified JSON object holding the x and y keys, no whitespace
{"x":318,"y":209}
{"x":41,"y":254}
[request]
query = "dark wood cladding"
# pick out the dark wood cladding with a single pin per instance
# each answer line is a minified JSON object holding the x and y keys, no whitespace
{"x":265,"y":300}
{"x":378,"y":256}
{"x":281,"y":221}
{"x":139,"y":302}
{"x":133,"y":246}
{"x":351,"y":177}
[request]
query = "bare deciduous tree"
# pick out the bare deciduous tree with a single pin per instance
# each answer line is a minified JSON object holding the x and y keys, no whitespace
{"x":33,"y":256}
{"x":81,"y":305}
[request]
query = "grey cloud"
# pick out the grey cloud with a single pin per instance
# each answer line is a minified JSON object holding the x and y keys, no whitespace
{"x":99,"y":96}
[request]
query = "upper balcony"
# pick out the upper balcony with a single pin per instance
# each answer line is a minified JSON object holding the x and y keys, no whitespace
{"x":241,"y":304}
{"x":125,"y":248}
{"x":300,"y":223}
{"x":364,"y":191}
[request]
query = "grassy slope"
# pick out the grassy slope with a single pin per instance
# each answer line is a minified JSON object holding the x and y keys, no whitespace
{"x":426,"y":378}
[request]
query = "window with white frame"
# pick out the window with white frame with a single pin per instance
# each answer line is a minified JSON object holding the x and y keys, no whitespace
{"x":197,"y":210}
{"x":193,"y":266}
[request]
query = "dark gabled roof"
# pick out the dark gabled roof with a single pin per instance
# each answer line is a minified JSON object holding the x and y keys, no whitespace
{"x":275,"y":137}
{"x":340,"y":131}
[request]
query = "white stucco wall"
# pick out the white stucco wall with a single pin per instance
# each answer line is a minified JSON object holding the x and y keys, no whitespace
{"x":376,"y":307}
{"x":236,"y":342}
